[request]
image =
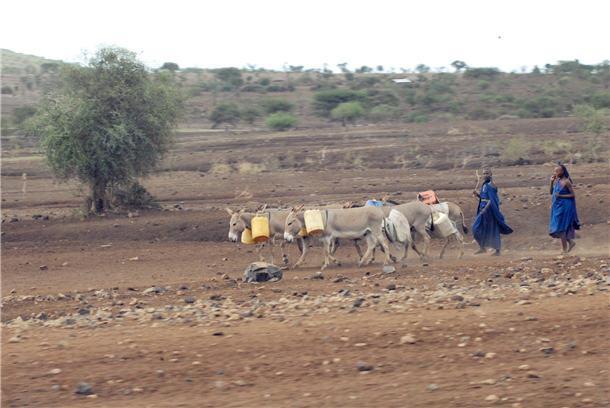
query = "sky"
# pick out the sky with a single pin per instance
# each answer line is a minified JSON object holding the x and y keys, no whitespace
{"x":507,"y":34}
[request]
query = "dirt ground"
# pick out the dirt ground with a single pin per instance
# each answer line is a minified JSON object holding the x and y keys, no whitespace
{"x":149,"y":308}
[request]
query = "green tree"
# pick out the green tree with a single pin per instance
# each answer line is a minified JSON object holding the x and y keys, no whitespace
{"x":230,"y":76}
{"x":422,"y":68}
{"x":326,"y":101}
{"x":250,"y":114}
{"x":347,"y":112}
{"x":458,"y":65}
{"x":170,"y":66}
{"x":109,"y":123}
{"x":281,"y":121}
{"x":227,"y":113}
{"x":277,"y":105}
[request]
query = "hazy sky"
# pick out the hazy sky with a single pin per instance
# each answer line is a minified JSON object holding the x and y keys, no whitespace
{"x":269,"y":33}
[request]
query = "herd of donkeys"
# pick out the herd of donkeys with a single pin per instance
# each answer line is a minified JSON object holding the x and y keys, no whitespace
{"x":383,"y":226}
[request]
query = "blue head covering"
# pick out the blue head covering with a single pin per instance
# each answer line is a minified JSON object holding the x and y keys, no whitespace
{"x":566,"y":173}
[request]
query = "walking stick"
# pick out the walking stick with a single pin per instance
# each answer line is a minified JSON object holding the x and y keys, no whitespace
{"x":474,"y":192}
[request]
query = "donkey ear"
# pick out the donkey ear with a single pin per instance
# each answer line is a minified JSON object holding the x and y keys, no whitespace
{"x":263,"y":208}
{"x":299,"y":208}
{"x":243,"y":210}
{"x":230,"y":211}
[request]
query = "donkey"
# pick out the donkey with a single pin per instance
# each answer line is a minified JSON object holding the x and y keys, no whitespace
{"x":456,"y":215}
{"x":351,"y":223}
{"x":241,"y":220}
{"x":419,"y":216}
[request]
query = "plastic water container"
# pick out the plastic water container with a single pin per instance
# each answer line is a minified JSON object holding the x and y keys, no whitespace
{"x":246,"y":237}
{"x":260,"y":228}
{"x":313,"y":222}
{"x":443,"y":225}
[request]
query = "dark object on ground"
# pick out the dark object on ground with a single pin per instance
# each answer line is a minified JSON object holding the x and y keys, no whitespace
{"x":262,"y":272}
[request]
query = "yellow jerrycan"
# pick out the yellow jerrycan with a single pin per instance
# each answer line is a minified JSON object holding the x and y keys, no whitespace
{"x":313,"y":222}
{"x":246,"y":237}
{"x":260,"y":228}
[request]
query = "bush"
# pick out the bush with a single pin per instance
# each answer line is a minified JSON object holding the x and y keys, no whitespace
{"x":277,"y":105}
{"x":230,"y":76}
{"x":133,"y":196}
{"x":485,"y":73}
{"x":347,"y":112}
{"x":326,"y":101}
{"x":382,"y":97}
{"x":382,"y":113}
{"x":280,"y":88}
{"x":281,"y":121}
{"x":23,"y":113}
{"x":601,"y":100}
{"x":253,"y":88}
{"x":7,"y":90}
{"x":170,"y":66}
{"x":264,"y":81}
{"x":250,"y":114}
{"x":516,"y":150}
{"x":417,"y":117}
{"x":225,"y":113}
{"x":594,"y":120}
{"x":540,"y":107}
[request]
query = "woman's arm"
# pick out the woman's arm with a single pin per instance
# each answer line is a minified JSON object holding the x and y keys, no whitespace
{"x":570,"y":189}
{"x":552,"y":182}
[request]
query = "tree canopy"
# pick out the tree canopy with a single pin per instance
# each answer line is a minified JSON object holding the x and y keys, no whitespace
{"x":109,"y":122}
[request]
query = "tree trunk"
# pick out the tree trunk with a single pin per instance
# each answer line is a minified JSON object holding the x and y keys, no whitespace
{"x":98,"y":197}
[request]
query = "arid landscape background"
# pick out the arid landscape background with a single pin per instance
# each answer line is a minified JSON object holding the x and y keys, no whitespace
{"x":148,"y":308}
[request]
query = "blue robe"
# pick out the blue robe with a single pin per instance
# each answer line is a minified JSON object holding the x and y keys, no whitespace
{"x":489,"y":224}
{"x":564,"y":219}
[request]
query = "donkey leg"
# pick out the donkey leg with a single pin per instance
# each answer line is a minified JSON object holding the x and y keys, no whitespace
{"x":460,"y":240}
{"x":444,"y":248}
{"x":327,"y":249}
{"x":259,"y":251}
{"x":367,"y":258}
{"x":386,"y":249}
{"x":282,"y":249}
{"x":303,"y":252}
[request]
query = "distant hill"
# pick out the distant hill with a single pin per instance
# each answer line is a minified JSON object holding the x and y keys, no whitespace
{"x":473,"y":93}
{"x":16,"y":63}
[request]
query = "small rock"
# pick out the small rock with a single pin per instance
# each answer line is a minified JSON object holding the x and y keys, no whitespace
{"x":492,"y":398}
{"x":84,"y":388}
{"x":189,"y":299}
{"x":388,"y":269}
{"x":358,"y":302}
{"x":524,"y":367}
{"x":391,"y":286}
{"x":362,"y":366}
{"x":15,"y":339}
{"x":218,"y":333}
{"x":407,"y":339}
{"x":432,"y":387}
{"x":457,"y":298}
{"x":43,"y":267}
{"x":55,"y":371}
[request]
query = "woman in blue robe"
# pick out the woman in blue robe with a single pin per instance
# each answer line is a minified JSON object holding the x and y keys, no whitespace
{"x":489,"y":222}
{"x":564,"y":220}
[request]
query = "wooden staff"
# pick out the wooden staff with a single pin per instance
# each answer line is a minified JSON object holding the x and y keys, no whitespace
{"x":476,"y":187}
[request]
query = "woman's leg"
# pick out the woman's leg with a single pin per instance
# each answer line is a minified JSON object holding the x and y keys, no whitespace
{"x":564,"y":243}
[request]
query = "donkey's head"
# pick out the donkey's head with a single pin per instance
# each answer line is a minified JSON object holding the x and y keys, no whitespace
{"x":294,"y":223}
{"x":236,"y":225}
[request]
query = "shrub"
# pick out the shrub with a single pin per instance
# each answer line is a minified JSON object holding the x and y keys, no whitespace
{"x":280,"y":88}
{"x":7,"y":90}
{"x":277,"y":105}
{"x":381,"y":113}
{"x":601,"y":100}
{"x":483,"y":84}
{"x":170,"y":66}
{"x":230,"y":76}
{"x":594,"y":120}
{"x":22,"y":113}
{"x":264,"y":81}
{"x":133,"y":196}
{"x":281,"y":121}
{"x":382,"y":97}
{"x":540,"y":107}
{"x":250,"y":114}
{"x":516,"y":150}
{"x":417,"y":117}
{"x":253,"y":88}
{"x":326,"y":101}
{"x":486,"y":73}
{"x":225,"y":113}
{"x":347,"y":112}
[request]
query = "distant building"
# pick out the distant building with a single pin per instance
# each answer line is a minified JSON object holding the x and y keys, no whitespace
{"x":402,"y":81}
